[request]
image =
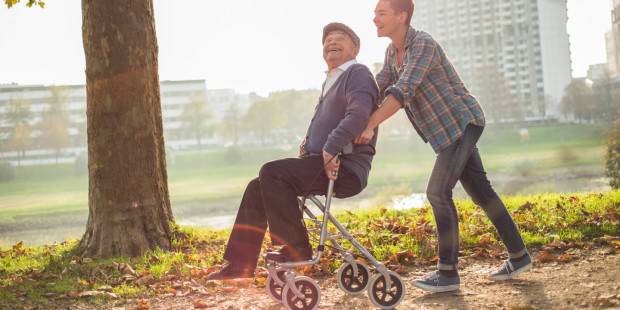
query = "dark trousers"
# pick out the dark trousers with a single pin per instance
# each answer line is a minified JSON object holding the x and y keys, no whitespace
{"x":461,"y":161}
{"x":271,"y":201}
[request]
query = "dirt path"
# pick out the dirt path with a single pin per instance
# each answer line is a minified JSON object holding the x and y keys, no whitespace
{"x":591,"y":280}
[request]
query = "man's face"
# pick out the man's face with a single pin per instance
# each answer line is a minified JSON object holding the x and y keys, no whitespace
{"x":338,"y":49}
{"x":386,"y":20}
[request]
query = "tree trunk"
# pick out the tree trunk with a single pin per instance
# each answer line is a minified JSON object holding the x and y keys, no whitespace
{"x":129,"y":206}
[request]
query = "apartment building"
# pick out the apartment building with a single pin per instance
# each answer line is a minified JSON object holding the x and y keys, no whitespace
{"x":612,"y":39}
{"x":524,"y":43}
{"x":175,"y":95}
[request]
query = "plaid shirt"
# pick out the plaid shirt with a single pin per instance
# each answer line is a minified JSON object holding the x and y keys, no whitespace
{"x":431,"y":91}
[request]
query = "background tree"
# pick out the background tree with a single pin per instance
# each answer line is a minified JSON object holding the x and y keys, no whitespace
{"x":603,"y":96}
{"x":55,"y":121}
{"x":577,"y":100}
{"x":231,"y":123}
{"x":128,"y":199}
{"x":196,"y":117}
{"x":264,"y":116}
{"x":299,"y":108}
{"x":17,"y":115}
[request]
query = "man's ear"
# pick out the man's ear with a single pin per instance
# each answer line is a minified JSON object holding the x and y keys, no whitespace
{"x":357,"y":51}
{"x":402,"y":17}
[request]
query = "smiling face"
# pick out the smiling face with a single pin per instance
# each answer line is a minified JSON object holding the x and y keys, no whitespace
{"x":338,"y":48}
{"x":387,"y":20}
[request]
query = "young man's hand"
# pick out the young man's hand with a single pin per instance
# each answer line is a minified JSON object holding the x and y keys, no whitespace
{"x":331,"y":166}
{"x":302,"y":151}
{"x":365,"y":136}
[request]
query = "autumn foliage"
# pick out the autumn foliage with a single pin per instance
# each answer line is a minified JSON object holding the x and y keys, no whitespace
{"x":556,"y":225}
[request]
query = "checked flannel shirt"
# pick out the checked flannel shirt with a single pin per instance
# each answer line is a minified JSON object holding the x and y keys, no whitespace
{"x":431,"y":91}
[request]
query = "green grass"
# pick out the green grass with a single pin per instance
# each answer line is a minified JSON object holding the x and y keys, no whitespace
{"x":203,"y":183}
{"x":392,"y":236}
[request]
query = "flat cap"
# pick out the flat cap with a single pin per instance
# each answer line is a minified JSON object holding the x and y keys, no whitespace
{"x":342,"y":27}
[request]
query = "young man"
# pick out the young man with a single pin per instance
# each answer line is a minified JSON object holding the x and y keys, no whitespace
{"x":418,"y":77}
{"x":348,"y":97}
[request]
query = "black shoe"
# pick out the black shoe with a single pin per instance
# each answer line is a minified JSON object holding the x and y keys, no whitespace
{"x":288,"y":253}
{"x":232,"y":271}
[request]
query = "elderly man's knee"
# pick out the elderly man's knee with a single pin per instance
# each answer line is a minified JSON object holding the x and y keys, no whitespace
{"x":254,"y":185}
{"x":268,"y":169}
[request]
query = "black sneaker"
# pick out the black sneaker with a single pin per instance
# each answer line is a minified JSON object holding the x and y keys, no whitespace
{"x":436,"y":282}
{"x":511,"y":269}
{"x":232,"y":271}
{"x":289,"y":253}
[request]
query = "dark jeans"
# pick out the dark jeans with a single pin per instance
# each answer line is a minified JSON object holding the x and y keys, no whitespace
{"x":461,"y":161}
{"x":271,"y":200}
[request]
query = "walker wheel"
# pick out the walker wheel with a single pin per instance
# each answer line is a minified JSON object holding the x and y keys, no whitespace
{"x":311,"y":291}
{"x":273,"y":289}
{"x":351,"y":284}
{"x":383,"y":298}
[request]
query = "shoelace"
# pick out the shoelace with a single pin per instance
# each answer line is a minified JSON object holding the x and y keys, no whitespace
{"x":431,"y":276}
{"x":509,"y":266}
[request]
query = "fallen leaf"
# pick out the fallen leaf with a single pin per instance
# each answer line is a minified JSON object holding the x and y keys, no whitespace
{"x":145,"y":280}
{"x":111,"y":295}
{"x":546,"y":257}
{"x":89,"y":293}
{"x":127,"y":270}
{"x":229,"y":289}
{"x":142,"y":305}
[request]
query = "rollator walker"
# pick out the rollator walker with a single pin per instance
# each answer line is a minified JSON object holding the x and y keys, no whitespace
{"x":385,"y":287}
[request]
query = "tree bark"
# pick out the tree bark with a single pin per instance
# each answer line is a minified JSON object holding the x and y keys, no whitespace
{"x":129,"y":204}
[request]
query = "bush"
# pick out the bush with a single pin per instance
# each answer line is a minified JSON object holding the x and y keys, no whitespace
{"x":525,"y":168}
{"x":612,"y":157}
{"x":80,"y":165}
{"x":232,"y":155}
{"x":8,"y":173}
{"x":567,"y":154}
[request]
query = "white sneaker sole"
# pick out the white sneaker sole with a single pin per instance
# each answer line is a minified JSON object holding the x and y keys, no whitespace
{"x":437,"y":289}
{"x":512,"y":274}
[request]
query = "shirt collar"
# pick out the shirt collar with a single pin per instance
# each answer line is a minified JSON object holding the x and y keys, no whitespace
{"x":411,"y":34}
{"x":342,"y":67}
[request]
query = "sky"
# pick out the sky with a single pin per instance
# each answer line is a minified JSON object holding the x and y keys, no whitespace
{"x":246,"y":45}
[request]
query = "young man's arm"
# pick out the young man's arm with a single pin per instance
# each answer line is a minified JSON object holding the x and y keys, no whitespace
{"x":389,"y":107}
{"x":420,"y":59}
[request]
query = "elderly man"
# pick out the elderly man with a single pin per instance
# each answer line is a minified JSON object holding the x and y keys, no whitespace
{"x":348,"y":96}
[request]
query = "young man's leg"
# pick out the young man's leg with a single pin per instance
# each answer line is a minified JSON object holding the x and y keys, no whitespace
{"x":448,"y":168}
{"x":478,"y":187}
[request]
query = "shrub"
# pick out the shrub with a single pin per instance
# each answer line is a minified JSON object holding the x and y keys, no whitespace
{"x":232,"y":155}
{"x":567,"y":154}
{"x":525,"y":168}
{"x":80,"y":165}
{"x":8,"y":173}
{"x":612,"y":157}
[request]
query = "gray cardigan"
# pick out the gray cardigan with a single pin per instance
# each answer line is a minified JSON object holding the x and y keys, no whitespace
{"x":341,"y":115}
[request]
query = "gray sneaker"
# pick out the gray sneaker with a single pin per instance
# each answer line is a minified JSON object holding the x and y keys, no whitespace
{"x":510,"y":269}
{"x":435,"y":282}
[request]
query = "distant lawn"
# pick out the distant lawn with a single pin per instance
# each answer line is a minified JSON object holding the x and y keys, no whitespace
{"x":206,"y":181}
